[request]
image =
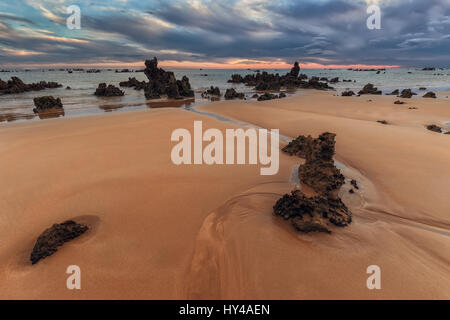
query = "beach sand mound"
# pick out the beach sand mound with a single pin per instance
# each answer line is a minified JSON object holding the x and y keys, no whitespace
{"x":55,"y":236}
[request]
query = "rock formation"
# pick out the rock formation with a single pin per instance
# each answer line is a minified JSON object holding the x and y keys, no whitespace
{"x":163,"y":82}
{"x":369,"y":89}
{"x":347,"y":93}
{"x":316,"y":213}
{"x":15,"y":85}
{"x":429,"y":95}
{"x":233,"y":94}
{"x":133,"y":83}
{"x":47,"y":104}
{"x":212,"y":91}
{"x":407,"y":93}
{"x":49,"y":241}
{"x":108,"y":91}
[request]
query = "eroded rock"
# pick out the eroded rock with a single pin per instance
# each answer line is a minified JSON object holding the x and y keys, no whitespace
{"x":233,"y":94}
{"x":52,"y":238}
{"x":108,"y":91}
{"x":369,"y":89}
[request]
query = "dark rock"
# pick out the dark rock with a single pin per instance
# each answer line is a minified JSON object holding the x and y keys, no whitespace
{"x":15,"y":85}
{"x":133,"y":83}
{"x":282,"y":95}
{"x":164,"y":82}
{"x":108,"y":91}
{"x":369,"y":89}
{"x":354,"y":183}
{"x":429,"y":95}
{"x":407,"y":93}
{"x":351,"y":191}
{"x":382,"y":121}
{"x":428,"y":69}
{"x":434,"y":128}
{"x":267,"y":96}
{"x":396,"y":92}
{"x":232,"y":94}
{"x":422,"y":88}
{"x":255,"y":96}
{"x":212,"y":91}
{"x":46,"y":103}
{"x":334,"y":80}
{"x":68,"y":88}
{"x":312,"y":214}
{"x":399,"y":102}
{"x":347,"y":93}
{"x":295,"y":70}
{"x":49,"y":241}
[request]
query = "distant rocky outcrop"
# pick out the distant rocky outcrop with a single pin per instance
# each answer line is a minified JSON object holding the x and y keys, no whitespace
{"x":369,"y":89}
{"x":315,"y":213}
{"x":15,"y":85}
{"x":108,"y":91}
{"x":133,"y":83}
{"x":429,"y":95}
{"x":233,"y":94}
{"x":266,"y":81}
{"x":52,"y":238}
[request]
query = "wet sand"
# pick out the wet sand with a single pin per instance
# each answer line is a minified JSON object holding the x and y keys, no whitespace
{"x":160,"y":231}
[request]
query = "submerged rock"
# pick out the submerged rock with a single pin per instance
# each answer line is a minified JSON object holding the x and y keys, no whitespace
{"x":108,"y":91}
{"x":49,"y":241}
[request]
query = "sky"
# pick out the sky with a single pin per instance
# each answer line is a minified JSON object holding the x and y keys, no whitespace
{"x":226,"y":34}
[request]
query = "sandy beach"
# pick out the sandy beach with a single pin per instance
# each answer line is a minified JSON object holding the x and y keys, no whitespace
{"x":161,"y":231}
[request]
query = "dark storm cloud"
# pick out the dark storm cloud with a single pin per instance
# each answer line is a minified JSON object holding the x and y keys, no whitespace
{"x":413,"y":33}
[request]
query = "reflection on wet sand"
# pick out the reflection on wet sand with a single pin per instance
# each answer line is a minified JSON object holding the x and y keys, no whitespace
{"x":109,"y":108}
{"x":7,"y":117}
{"x":51,"y":113}
{"x":171,"y":103}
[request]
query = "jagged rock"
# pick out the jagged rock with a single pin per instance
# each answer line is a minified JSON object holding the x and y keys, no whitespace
{"x":236,"y":78}
{"x":295,"y":70}
{"x":399,"y":102}
{"x":15,"y":85}
{"x":396,"y":92}
{"x":49,"y":241}
{"x":133,"y":83}
{"x":407,"y":93}
{"x":312,"y":214}
{"x":347,"y":93}
{"x":369,"y":89}
{"x":108,"y":91}
{"x":212,"y":91}
{"x":232,"y":94}
{"x":47,"y":104}
{"x":164,"y":82}
{"x":299,"y":146}
{"x":429,"y":95}
{"x":434,"y":128}
{"x":334,"y":80}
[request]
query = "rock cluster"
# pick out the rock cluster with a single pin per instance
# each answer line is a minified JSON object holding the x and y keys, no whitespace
{"x":233,"y":94}
{"x":348,"y":93}
{"x":49,"y":241}
{"x":266,"y":81}
{"x":15,"y":85}
{"x":369,"y":89}
{"x":163,"y":82}
{"x":133,"y":83}
{"x":108,"y":91}
{"x":47,"y":104}
{"x":269,"y":96}
{"x":212,"y":91}
{"x":314,"y":214}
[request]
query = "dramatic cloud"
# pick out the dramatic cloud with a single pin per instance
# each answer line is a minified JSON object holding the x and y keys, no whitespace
{"x":238,"y":32}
